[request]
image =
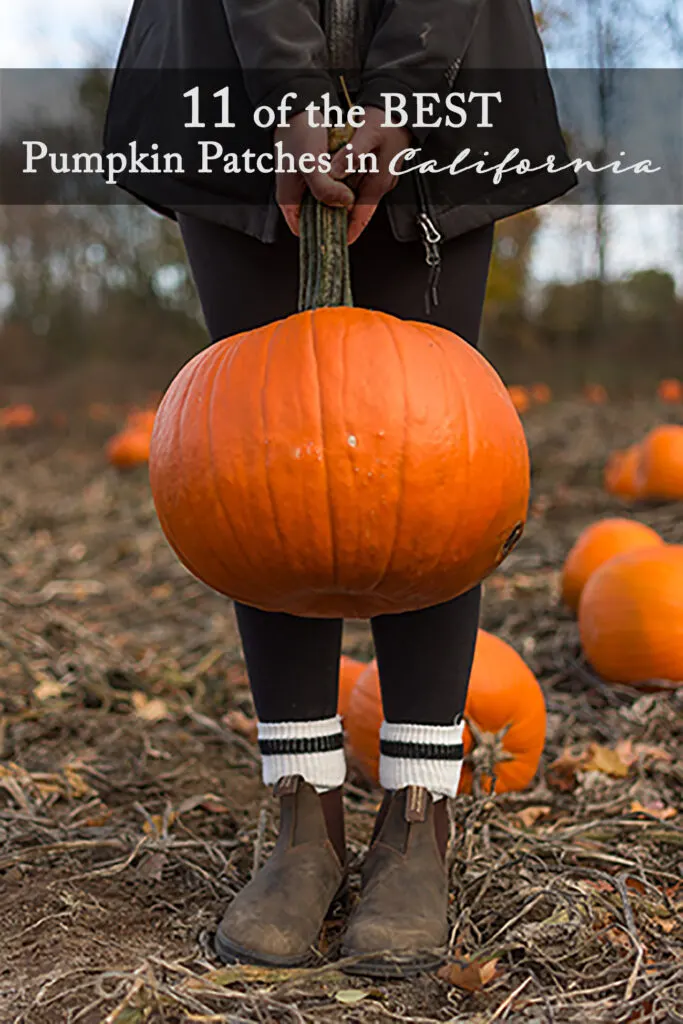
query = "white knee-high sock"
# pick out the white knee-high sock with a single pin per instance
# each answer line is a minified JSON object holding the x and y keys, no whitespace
{"x":314,"y":750}
{"x":429,"y":756}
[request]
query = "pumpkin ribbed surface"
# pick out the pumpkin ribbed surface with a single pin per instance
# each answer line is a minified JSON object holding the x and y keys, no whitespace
{"x":595,"y":545}
{"x":660,"y":472}
{"x":340,"y":462}
{"x":505,"y":714}
{"x":631,"y":616}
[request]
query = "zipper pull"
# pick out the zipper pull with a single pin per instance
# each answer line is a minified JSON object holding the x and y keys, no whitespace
{"x":432,"y":239}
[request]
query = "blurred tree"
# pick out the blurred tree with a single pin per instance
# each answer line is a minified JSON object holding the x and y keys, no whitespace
{"x":648,"y":296}
{"x":507,"y":293}
{"x":98,"y":282}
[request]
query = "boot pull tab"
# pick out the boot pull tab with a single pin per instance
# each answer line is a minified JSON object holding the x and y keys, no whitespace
{"x":416,"y":804}
{"x":288,"y":785}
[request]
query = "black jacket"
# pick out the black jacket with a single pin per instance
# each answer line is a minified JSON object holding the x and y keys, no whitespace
{"x":408,"y":46}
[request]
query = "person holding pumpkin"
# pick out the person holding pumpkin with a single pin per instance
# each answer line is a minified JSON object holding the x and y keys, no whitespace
{"x":244,"y":260}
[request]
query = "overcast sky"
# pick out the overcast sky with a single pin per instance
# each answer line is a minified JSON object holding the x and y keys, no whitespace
{"x":65,"y":33}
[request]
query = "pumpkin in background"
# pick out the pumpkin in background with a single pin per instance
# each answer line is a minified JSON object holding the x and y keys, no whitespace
{"x":520,"y":398}
{"x":141,"y":419}
{"x":362,"y":722}
{"x":505,"y":719}
{"x":129,"y":448}
{"x":621,"y":474}
{"x":595,"y":394}
{"x":18,"y":417}
{"x":340,"y":463}
{"x":670,"y":390}
{"x":631,"y":617}
{"x":349,"y":671}
{"x":540,"y":393}
{"x":595,"y":545}
{"x":660,"y":470}
{"x":99,"y":412}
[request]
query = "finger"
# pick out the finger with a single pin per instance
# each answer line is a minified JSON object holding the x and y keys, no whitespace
{"x":373,"y":187}
{"x":330,"y":192}
{"x":364,"y":141}
{"x":359,"y":220}
{"x":289,"y":193}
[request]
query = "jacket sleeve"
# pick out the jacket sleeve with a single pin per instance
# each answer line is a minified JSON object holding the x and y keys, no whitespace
{"x":415,"y":44}
{"x":281,"y":48}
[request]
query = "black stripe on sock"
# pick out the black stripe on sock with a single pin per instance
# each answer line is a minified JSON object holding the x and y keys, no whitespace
{"x":422,"y":751}
{"x":302,"y":745}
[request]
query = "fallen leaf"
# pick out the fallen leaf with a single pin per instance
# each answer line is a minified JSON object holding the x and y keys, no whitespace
{"x":206,"y":801}
{"x":470,"y":977}
{"x":656,"y":753}
{"x":597,"y":885}
{"x":152,"y":867}
{"x":150,"y":709}
{"x":128,"y":1015}
{"x":99,"y":820}
{"x":605,"y":760}
{"x":47,"y":690}
{"x":667,"y":924}
{"x":530,"y":815}
{"x":656,"y":810}
{"x":625,"y":751}
{"x":350,"y":995}
{"x":242,"y":724}
{"x":214,"y":805}
{"x":242,"y":973}
{"x":619,"y":938}
{"x":561,"y":774}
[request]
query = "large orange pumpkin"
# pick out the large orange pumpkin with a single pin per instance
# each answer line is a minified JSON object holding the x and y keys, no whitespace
{"x":621,"y":477}
{"x":340,"y":462}
{"x":660,"y":470}
{"x":595,"y":545}
{"x":631,"y":616}
{"x":349,"y":672}
{"x":505,"y":719}
{"x":670,"y":390}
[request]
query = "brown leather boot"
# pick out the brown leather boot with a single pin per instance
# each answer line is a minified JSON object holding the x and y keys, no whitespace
{"x":276,"y":919}
{"x":400,"y":925}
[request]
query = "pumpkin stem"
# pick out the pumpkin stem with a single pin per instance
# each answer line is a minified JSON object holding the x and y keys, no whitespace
{"x":324,"y":268}
{"x":487,"y":752}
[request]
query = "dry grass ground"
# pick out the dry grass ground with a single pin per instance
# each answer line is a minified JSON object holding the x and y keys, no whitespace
{"x":130,"y":811}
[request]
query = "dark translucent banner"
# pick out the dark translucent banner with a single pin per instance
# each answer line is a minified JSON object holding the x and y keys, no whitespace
{"x":184,"y":138}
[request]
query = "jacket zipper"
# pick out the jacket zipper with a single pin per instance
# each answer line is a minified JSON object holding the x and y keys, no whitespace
{"x":431,"y":239}
{"x":431,"y":236}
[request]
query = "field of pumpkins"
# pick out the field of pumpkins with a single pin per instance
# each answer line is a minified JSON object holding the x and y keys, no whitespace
{"x":127,"y":732}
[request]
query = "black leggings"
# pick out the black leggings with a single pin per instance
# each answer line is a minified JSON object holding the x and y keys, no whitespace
{"x":424,"y":657}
